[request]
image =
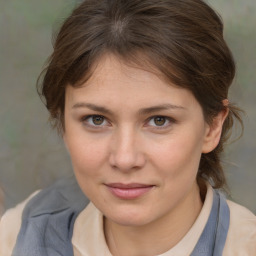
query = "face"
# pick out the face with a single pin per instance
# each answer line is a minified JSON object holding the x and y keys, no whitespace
{"x":135,"y":142}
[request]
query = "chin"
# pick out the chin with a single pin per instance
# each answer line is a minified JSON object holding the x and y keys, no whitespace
{"x":128,"y":216}
{"x":134,"y":222}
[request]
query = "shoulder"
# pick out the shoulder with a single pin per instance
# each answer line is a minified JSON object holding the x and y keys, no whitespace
{"x":10,"y":225}
{"x":55,"y":204}
{"x":241,"y":239}
{"x":63,"y":194}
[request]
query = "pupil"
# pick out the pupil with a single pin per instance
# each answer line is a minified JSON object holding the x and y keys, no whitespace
{"x":97,"y":120}
{"x":159,"y":121}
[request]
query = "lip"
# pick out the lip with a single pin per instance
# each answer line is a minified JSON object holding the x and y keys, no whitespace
{"x":129,"y":191}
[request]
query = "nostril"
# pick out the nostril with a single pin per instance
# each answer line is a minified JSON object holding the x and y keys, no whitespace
{"x":126,"y":161}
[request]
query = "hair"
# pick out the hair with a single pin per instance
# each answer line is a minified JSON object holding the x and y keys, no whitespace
{"x":182,"y":39}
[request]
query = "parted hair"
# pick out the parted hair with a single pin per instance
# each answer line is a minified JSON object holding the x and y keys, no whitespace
{"x":182,"y":39}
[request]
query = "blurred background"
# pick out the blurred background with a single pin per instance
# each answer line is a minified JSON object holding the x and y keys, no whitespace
{"x":32,"y":155}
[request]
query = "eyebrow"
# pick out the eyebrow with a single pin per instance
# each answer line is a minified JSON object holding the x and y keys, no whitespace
{"x":142,"y":111}
{"x":160,"y":107}
{"x":92,"y":107}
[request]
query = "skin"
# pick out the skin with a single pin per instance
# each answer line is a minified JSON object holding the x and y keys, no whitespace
{"x":129,"y":146}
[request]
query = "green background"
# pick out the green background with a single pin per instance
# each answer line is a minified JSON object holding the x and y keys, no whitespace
{"x":32,"y":155}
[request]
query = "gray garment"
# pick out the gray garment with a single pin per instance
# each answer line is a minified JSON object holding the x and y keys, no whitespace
{"x":213,"y":238}
{"x":48,"y":221}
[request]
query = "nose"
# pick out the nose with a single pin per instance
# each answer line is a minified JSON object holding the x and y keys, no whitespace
{"x":126,"y":151}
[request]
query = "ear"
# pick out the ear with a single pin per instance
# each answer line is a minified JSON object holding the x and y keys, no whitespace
{"x":213,"y":131}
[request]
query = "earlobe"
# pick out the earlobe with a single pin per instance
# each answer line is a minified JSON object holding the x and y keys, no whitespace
{"x":213,"y":131}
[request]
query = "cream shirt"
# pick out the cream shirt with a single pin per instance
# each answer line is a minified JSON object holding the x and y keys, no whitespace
{"x":88,"y":236}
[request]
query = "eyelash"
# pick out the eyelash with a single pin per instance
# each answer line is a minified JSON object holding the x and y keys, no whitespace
{"x":168,"y":120}
{"x":85,"y":120}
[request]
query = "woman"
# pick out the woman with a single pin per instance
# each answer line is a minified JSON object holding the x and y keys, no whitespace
{"x":139,"y":91}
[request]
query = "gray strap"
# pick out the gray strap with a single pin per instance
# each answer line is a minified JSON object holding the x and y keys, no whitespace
{"x":213,"y":238}
{"x":222,"y":227}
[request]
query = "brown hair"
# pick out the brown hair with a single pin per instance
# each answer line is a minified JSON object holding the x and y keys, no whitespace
{"x":183,"y":39}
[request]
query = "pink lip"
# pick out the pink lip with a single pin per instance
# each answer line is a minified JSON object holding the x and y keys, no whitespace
{"x":129,"y":191}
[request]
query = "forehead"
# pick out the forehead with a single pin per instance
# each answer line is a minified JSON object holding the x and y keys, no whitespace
{"x":117,"y":83}
{"x":137,"y":68}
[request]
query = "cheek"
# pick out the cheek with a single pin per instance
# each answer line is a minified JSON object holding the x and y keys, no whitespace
{"x":179,"y":156}
{"x":88,"y":161}
{"x":87,"y":155}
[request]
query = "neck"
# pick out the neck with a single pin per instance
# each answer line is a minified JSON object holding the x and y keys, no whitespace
{"x":156,"y":237}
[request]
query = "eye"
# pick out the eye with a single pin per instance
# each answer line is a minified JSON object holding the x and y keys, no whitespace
{"x":95,"y":120}
{"x":159,"y":121}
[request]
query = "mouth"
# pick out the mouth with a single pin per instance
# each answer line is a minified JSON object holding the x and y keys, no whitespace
{"x":129,"y":191}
